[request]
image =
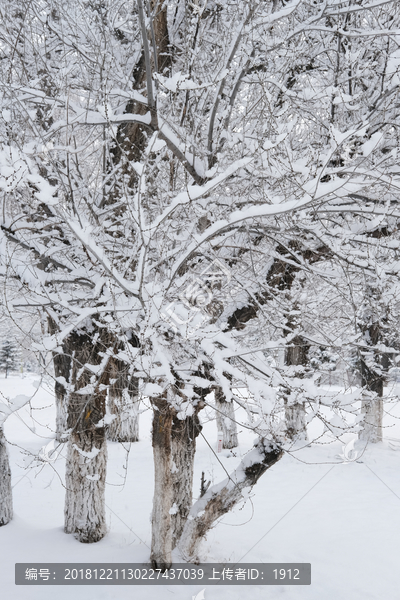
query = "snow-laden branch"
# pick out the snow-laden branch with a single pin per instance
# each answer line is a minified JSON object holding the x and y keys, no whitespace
{"x":146,"y":50}
{"x":222,"y":497}
{"x":193,"y":165}
{"x":88,"y":242}
{"x":236,"y":219}
{"x":218,"y":96}
{"x":43,"y":258}
{"x":194,"y":192}
{"x":9,"y":406}
{"x":91,"y":117}
{"x":279,"y":14}
{"x":356,"y":7}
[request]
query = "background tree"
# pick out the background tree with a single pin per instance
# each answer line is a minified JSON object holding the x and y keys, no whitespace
{"x":6,"y":506}
{"x":10,"y":357}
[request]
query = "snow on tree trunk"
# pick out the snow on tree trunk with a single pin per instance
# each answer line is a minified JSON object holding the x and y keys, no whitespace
{"x":372,"y":403}
{"x":183,"y":447}
{"x":87,"y":450}
{"x":372,"y":374}
{"x":174,"y":447}
{"x":61,"y":413}
{"x":85,"y":483}
{"x":295,"y":413}
{"x":62,"y":372}
{"x":6,"y":506}
{"x":226,"y":420}
{"x":161,"y":540}
{"x":221,"y":498}
{"x":372,"y":409}
{"x":125,"y":408}
{"x":123,"y":403}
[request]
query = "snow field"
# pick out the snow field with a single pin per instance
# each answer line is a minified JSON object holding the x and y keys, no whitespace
{"x":344,"y":518}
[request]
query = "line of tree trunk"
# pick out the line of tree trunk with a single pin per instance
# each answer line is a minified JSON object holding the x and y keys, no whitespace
{"x":6,"y":504}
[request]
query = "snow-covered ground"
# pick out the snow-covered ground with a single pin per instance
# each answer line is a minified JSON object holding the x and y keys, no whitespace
{"x":343,"y":518}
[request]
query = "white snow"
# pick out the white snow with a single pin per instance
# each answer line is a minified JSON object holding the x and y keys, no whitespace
{"x":316,"y":506}
{"x":94,"y":452}
{"x":174,"y":509}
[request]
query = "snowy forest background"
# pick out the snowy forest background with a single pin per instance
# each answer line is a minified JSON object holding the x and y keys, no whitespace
{"x":199,"y":245}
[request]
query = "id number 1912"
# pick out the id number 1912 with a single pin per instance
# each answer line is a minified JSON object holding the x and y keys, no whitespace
{"x":286,"y":574}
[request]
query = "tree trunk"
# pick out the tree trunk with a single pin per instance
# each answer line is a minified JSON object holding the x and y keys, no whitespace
{"x":295,"y":413}
{"x":372,"y":409}
{"x":161,"y":539}
{"x":226,"y":420}
{"x":62,"y":370}
{"x":123,"y":404}
{"x":372,"y":374}
{"x":85,"y":483}
{"x":87,"y":450}
{"x":6,"y":505}
{"x":125,"y":408}
{"x":221,"y":498}
{"x":183,"y":448}
{"x":174,"y":447}
{"x":372,"y":382}
{"x":61,"y":412}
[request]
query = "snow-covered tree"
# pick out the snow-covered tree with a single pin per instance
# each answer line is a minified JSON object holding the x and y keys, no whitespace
{"x":182,"y":172}
{"x":10,"y":357}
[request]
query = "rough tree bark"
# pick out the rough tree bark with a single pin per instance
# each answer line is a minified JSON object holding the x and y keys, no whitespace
{"x":372,"y":373}
{"x":62,"y":369}
{"x":87,"y":446}
{"x":6,"y":505}
{"x":183,"y":447}
{"x":296,"y":354}
{"x":221,"y":498}
{"x":174,"y":447}
{"x":226,"y":423}
{"x":161,"y":520}
{"x":123,"y":404}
